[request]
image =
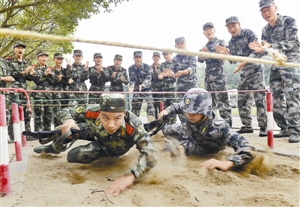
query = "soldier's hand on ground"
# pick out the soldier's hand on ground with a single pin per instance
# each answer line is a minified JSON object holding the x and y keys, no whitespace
{"x":86,"y":67}
{"x":113,"y":74}
{"x":70,"y":81}
{"x":221,"y":50}
{"x":121,"y":184}
{"x":162,"y":113}
{"x":68,"y":124}
{"x":140,"y":88}
{"x":131,"y":89}
{"x":212,"y":164}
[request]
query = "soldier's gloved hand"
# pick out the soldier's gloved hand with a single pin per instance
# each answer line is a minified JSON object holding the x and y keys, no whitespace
{"x":68,"y":124}
{"x":162,"y":113}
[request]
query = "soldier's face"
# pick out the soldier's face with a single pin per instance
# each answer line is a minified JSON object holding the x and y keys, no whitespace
{"x":209,"y":33}
{"x":168,"y":56}
{"x":58,"y":61}
{"x":111,"y":121}
{"x":156,"y":59}
{"x":117,"y":62}
{"x":42,"y":59}
{"x":98,"y":60}
{"x":19,"y":51}
{"x":77,"y":58}
{"x":269,"y":13}
{"x":234,"y":29}
{"x":138,"y":61}
{"x":194,"y":118}
{"x":180,"y":45}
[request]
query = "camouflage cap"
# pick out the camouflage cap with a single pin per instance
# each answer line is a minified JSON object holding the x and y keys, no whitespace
{"x":197,"y":101}
{"x":137,"y":53}
{"x":208,"y":24}
{"x":77,"y":53}
{"x":117,"y":56}
{"x":265,"y":3}
{"x":98,"y":55}
{"x":112,"y":103}
{"x":19,"y":44}
{"x":156,"y":54}
{"x":164,"y":52}
{"x":41,"y":52}
{"x":179,"y":40}
{"x":58,"y":55}
{"x":232,"y":19}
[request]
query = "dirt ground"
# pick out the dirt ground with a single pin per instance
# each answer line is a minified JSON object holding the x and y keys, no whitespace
{"x":39,"y":180}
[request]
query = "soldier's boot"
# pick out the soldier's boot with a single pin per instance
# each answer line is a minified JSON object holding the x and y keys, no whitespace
{"x":151,"y":118}
{"x":294,"y":138}
{"x":172,"y":147}
{"x":282,"y":133}
{"x":45,"y":149}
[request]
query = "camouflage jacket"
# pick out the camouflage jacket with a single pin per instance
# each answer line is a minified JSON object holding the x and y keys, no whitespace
{"x":16,"y":68}
{"x":183,"y":62}
{"x":130,"y":133}
{"x":4,"y":71}
{"x":41,"y":80}
{"x":214,"y":134}
{"x":156,"y":84}
{"x":239,"y":46}
{"x":169,"y":83}
{"x":140,"y":76}
{"x":115,"y":83}
{"x":283,"y":37}
{"x":60,"y":85}
{"x":79,"y":75}
{"x":98,"y":80}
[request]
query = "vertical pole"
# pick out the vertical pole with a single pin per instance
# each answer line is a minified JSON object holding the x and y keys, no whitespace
{"x":4,"y":156}
{"x":270,"y":121}
{"x":161,"y":106}
{"x":17,"y":133}
{"x":22,"y":125}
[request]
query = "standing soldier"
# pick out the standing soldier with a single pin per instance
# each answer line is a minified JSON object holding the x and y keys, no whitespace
{"x":119,"y":75}
{"x":140,"y":81}
{"x":251,"y":77}
{"x":77,"y":75}
{"x":98,"y":76}
{"x":43,"y":78}
{"x":169,"y":82}
{"x":281,"y":33}
{"x":60,"y":81}
{"x":20,"y":71}
{"x":156,"y":83}
{"x":184,"y":68}
{"x":215,"y":78}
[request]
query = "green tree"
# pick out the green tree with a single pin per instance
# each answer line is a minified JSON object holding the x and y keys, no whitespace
{"x":57,"y":17}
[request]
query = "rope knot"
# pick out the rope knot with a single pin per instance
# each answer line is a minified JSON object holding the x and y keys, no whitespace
{"x":277,"y":56}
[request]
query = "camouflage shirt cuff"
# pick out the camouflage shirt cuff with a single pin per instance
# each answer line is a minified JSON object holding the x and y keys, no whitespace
{"x":241,"y":158}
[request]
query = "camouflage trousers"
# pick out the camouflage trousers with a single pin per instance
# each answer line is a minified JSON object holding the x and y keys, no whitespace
{"x":168,"y":99}
{"x":79,"y":98}
{"x":94,"y":98}
{"x":220,"y":100}
{"x":157,"y":98}
{"x":42,"y":112}
{"x":252,"y":82}
{"x":285,"y":87}
{"x":59,"y":101}
{"x":136,"y":105}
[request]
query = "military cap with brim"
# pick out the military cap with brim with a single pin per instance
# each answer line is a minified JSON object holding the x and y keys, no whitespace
{"x":40,"y":53}
{"x":208,"y":24}
{"x":120,"y":57}
{"x":265,"y":3}
{"x":98,"y":55}
{"x":19,"y":44}
{"x":112,"y":102}
{"x":156,"y":54}
{"x":77,"y":52}
{"x":232,"y":19}
{"x":179,"y":40}
{"x":58,"y":55}
{"x":137,"y":54}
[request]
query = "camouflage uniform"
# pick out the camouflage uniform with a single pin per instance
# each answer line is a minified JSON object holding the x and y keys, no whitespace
{"x":251,"y":78}
{"x":215,"y":79}
{"x":79,"y":75}
{"x":59,"y":99}
{"x":285,"y":81}
{"x":42,"y":111}
{"x":169,"y":85}
{"x":130,"y":133}
{"x":116,"y":84}
{"x":206,"y":136}
{"x":184,"y":82}
{"x":141,"y":76}
{"x":156,"y":86}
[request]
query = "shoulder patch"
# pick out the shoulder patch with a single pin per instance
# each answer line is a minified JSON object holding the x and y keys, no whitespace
{"x":91,"y":114}
{"x":129,"y":129}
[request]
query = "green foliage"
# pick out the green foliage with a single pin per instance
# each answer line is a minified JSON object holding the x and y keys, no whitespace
{"x":58,"y":17}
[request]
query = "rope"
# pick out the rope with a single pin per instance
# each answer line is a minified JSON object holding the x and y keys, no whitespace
{"x":57,"y":38}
